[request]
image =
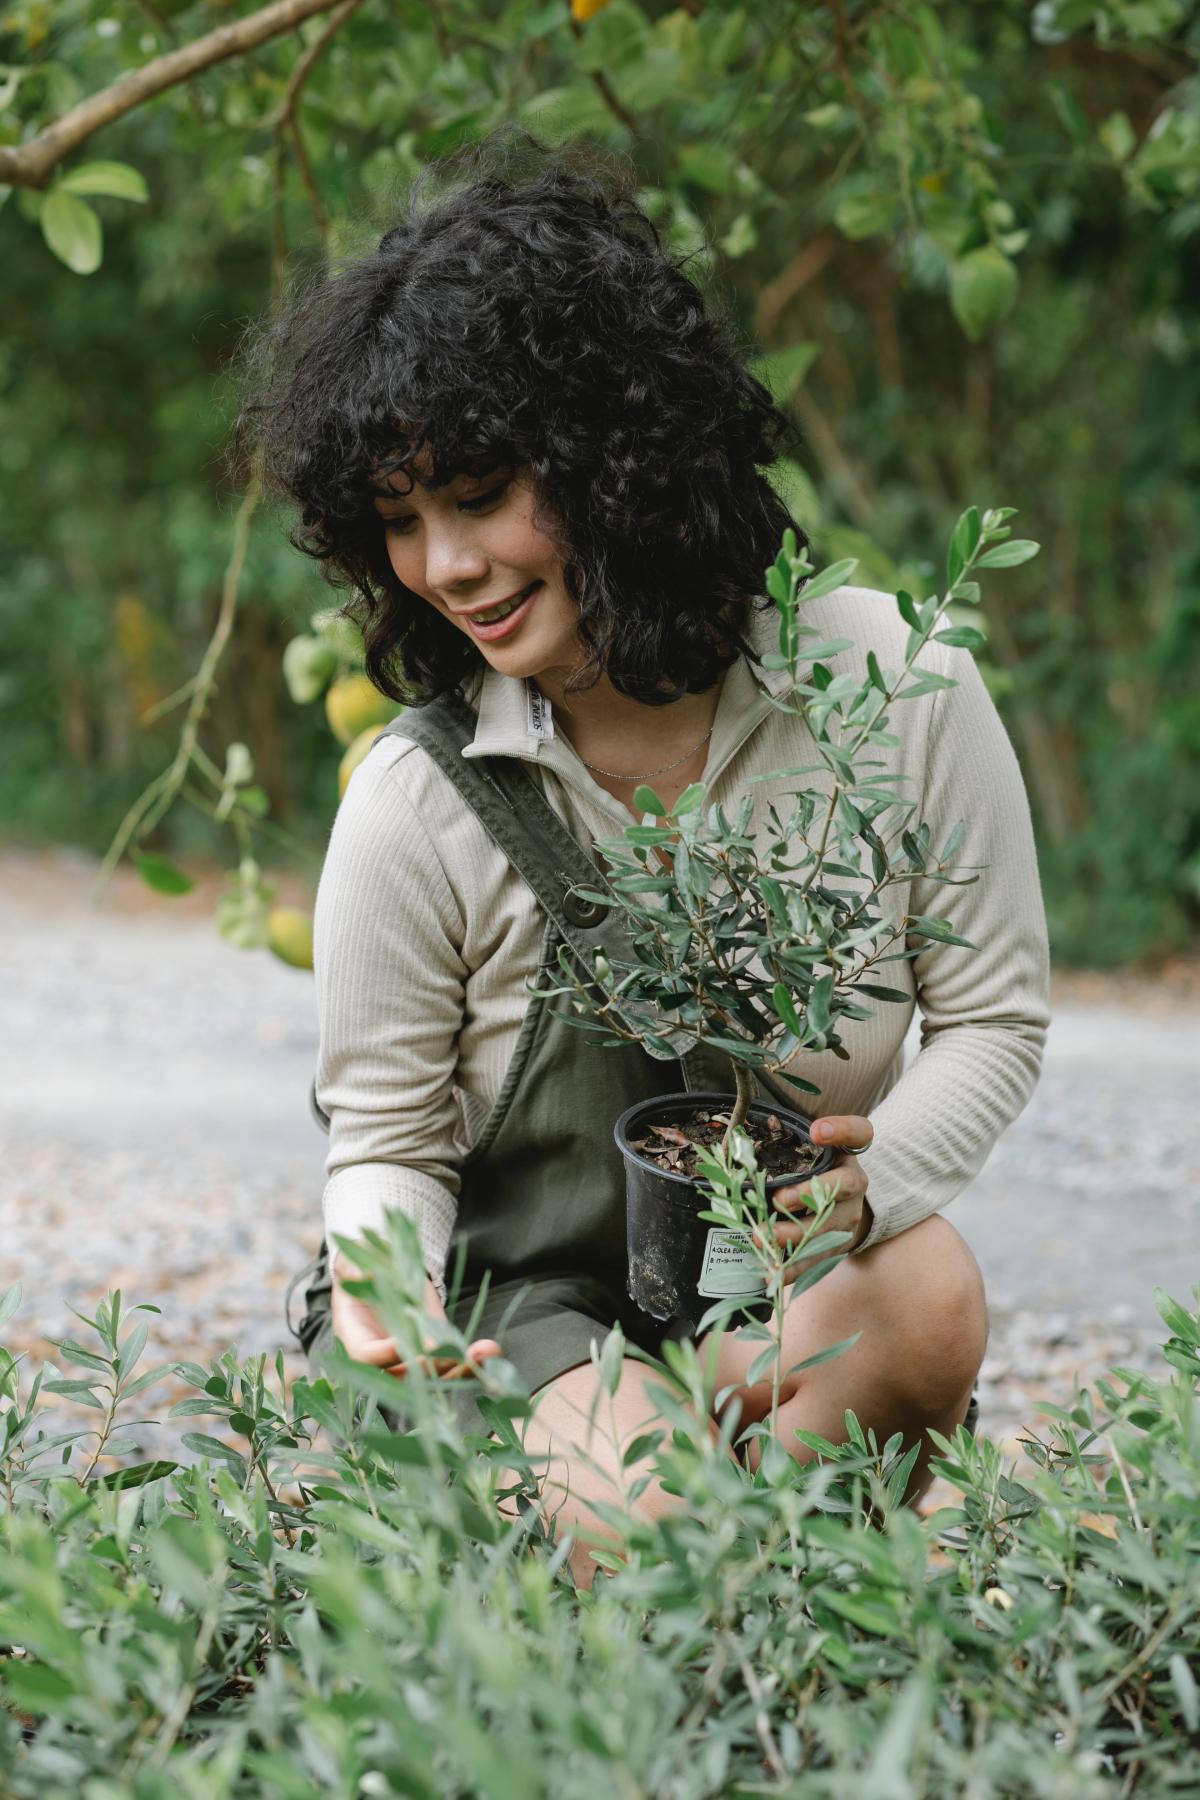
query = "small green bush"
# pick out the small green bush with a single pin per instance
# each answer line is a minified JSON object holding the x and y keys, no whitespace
{"x":331,"y":1602}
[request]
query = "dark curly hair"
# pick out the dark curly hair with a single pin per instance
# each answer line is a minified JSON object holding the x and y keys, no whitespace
{"x":525,"y":312}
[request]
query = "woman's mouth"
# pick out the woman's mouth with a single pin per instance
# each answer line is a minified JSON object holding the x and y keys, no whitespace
{"x":501,"y":621}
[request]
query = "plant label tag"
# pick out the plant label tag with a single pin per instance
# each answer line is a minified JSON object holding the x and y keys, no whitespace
{"x":730,"y":1266}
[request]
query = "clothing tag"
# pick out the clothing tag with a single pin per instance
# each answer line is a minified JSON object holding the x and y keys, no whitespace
{"x":539,"y":718}
{"x":730,"y":1266}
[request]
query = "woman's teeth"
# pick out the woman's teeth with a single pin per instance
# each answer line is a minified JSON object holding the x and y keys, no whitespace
{"x":506,"y":606}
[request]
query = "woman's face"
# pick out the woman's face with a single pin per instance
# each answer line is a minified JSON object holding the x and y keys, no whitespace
{"x":472,"y":550}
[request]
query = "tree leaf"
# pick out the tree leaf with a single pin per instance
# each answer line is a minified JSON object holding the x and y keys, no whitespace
{"x":782,"y":371}
{"x":962,"y":543}
{"x":908,"y":609}
{"x":78,"y":1391}
{"x":83,"y":1359}
{"x":1184,"y":1683}
{"x":961,"y":637}
{"x":164,"y":876}
{"x":35,"y":1688}
{"x":865,"y":215}
{"x":784,"y":1005}
{"x":690,"y":799}
{"x":1176,"y":1318}
{"x":938,"y":929}
{"x":73,"y":231}
{"x":1010,"y":555}
{"x":137,"y":1475}
{"x":797,"y":1081}
{"x":647,"y":801}
{"x":820,"y":997}
{"x":926,"y":682}
{"x":861,"y":1613}
{"x":10,"y":1299}
{"x":835,"y":576}
{"x":116,"y":179}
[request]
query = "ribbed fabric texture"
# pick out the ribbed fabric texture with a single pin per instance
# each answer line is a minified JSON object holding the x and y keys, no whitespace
{"x":426,"y":936}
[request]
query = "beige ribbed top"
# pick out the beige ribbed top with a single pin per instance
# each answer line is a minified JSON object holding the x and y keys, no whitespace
{"x":425,"y":936}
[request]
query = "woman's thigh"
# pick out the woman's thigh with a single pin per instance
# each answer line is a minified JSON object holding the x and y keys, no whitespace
{"x":918,"y":1302}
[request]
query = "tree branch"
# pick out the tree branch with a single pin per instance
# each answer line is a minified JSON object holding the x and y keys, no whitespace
{"x":31,"y":165}
{"x":603,"y":85}
{"x":307,"y":62}
{"x":782,"y":289}
{"x":287,"y":119}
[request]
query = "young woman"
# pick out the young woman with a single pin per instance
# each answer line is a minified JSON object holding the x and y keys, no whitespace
{"x":530,"y":447}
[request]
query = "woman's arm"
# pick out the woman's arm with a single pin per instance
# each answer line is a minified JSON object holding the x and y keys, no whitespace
{"x":984,"y":1011}
{"x":390,"y":994}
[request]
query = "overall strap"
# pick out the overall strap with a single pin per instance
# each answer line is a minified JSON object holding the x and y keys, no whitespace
{"x":510,"y":805}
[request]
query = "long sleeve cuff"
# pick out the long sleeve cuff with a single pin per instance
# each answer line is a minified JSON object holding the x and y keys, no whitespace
{"x":358,"y":1198}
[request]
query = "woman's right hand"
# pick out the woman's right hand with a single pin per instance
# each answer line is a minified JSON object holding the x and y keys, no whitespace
{"x":361,"y":1334}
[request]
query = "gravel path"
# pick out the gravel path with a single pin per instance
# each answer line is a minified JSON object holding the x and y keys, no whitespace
{"x":153,"y":1112}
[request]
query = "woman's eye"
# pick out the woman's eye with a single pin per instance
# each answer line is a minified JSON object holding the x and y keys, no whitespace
{"x":401,"y":523}
{"x":482,"y":501}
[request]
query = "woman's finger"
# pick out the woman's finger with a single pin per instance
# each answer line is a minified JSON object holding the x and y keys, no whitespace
{"x":847,"y":1131}
{"x":849,"y":1181}
{"x":380,"y":1353}
{"x":449,"y":1367}
{"x":846,"y":1218}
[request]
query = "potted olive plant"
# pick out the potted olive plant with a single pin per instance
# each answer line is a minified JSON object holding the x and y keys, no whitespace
{"x":759,"y":945}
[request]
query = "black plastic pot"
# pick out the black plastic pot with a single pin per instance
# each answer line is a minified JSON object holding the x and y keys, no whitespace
{"x":680,"y":1264}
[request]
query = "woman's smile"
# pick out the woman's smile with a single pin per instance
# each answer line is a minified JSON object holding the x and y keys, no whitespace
{"x":493,"y":622}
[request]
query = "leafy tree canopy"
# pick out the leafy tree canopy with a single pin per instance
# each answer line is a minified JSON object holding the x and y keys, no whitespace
{"x":962,"y":238}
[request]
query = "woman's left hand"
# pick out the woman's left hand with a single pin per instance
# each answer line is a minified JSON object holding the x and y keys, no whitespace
{"x":851,"y":1212}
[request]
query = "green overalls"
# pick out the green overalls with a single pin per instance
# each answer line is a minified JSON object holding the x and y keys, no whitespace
{"x":542,"y":1198}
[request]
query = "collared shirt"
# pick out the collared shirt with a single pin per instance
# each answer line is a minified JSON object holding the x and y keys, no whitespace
{"x":425,"y":938}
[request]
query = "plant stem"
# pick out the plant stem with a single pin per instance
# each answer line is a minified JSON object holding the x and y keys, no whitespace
{"x":745,"y":1094}
{"x":777,"y":1366}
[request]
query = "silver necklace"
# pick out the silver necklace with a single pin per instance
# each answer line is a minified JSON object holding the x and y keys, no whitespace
{"x":612,"y":775}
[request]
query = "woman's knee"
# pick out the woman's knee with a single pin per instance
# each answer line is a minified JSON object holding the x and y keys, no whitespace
{"x":925,"y":1288}
{"x":942,"y":1289}
{"x":578,"y":1438}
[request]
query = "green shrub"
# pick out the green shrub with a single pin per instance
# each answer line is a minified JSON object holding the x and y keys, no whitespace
{"x":332,"y":1604}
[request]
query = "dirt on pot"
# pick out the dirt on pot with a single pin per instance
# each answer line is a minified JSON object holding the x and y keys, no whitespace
{"x":674,"y":1147}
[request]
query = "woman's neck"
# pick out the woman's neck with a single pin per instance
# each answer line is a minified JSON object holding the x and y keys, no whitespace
{"x":615,"y":736}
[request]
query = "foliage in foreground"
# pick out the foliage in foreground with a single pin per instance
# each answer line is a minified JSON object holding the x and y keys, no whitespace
{"x":285,"y":1617}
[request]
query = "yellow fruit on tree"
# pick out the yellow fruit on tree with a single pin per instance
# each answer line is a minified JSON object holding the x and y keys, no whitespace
{"x":353,"y":703}
{"x":290,"y":936}
{"x":583,"y":10}
{"x":354,"y":755}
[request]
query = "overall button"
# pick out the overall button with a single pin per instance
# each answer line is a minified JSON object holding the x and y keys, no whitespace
{"x":580,"y":911}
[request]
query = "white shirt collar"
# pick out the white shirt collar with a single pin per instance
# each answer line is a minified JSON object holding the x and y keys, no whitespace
{"x":515,"y":718}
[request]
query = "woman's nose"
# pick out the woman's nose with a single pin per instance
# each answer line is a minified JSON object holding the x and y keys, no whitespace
{"x":453,"y":557}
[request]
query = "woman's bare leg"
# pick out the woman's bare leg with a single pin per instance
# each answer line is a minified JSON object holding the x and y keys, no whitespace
{"x":585,"y":1454}
{"x":918,"y":1300}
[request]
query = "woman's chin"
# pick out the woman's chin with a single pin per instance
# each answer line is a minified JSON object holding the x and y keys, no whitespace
{"x":529,"y":661}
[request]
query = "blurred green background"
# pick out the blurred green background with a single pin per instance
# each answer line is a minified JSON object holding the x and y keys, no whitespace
{"x":967,"y":239}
